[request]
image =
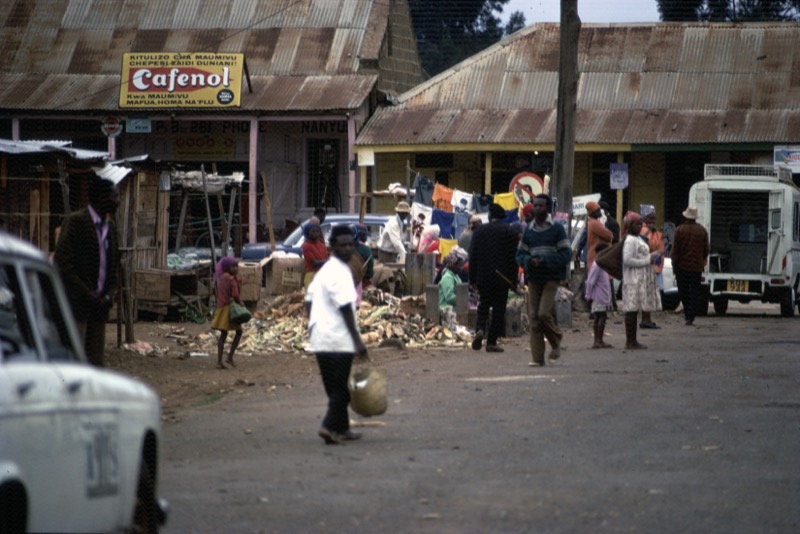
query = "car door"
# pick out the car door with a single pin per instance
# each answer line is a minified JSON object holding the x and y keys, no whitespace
{"x":30,"y":407}
{"x":87,"y":428}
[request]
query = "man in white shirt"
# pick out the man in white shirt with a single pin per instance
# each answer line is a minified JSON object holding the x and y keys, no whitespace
{"x":390,"y":246}
{"x":333,"y":334}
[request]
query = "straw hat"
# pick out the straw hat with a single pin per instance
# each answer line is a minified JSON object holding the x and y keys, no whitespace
{"x":402,"y":207}
{"x":690,"y":213}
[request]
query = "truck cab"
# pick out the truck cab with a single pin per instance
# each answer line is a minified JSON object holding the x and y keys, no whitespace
{"x":752,"y":214}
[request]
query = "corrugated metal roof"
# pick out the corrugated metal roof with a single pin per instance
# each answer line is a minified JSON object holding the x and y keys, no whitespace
{"x":270,"y":93}
{"x":55,"y":53}
{"x":639,"y":83}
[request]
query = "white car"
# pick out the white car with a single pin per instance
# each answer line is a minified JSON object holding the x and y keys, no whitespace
{"x":78,"y":445}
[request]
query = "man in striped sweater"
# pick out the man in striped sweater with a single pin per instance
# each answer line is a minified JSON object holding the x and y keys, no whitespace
{"x":543,"y":253}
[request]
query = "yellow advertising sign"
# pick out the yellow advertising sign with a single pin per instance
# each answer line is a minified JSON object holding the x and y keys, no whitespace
{"x":181,"y":80}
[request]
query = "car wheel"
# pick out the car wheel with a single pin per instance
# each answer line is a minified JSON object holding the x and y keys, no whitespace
{"x":721,"y":306}
{"x":13,"y":508}
{"x":787,"y":303}
{"x":145,"y":515}
{"x":669,"y":301}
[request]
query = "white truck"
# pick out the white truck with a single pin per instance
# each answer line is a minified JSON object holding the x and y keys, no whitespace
{"x":752,"y":214}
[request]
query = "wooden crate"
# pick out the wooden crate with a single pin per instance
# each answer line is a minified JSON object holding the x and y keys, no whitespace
{"x":153,"y":284}
{"x":250,"y":275}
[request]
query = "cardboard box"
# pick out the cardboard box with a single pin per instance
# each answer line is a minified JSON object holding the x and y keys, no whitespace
{"x":250,"y":275}
{"x":153,"y":284}
{"x":285,"y":275}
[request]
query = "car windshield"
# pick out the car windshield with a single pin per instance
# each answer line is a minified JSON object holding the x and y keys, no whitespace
{"x":31,"y":295}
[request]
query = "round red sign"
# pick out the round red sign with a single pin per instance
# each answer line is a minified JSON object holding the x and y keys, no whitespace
{"x":111,"y":126}
{"x":525,"y":186}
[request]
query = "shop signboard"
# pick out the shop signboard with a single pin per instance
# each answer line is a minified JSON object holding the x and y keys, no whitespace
{"x":181,"y":80}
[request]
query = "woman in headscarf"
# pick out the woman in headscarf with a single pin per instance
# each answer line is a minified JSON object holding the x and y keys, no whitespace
{"x":227,"y":291}
{"x":655,"y":240}
{"x":639,"y":291}
{"x":315,"y":253}
{"x":453,"y":264}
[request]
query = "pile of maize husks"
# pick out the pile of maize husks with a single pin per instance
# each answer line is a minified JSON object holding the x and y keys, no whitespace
{"x":282,"y":327}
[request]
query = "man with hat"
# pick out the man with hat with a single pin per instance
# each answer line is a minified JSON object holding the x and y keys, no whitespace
{"x":87,"y":258}
{"x":690,"y":249}
{"x":493,"y":271}
{"x":390,"y":246}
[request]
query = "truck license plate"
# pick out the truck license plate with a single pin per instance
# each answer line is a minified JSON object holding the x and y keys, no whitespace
{"x":738,"y":286}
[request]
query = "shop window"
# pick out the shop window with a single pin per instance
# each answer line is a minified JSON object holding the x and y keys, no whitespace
{"x":322,"y":188}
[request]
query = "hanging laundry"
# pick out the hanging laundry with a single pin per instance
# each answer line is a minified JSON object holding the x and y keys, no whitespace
{"x":460,"y":223}
{"x":442,"y":198}
{"x":420,"y":218}
{"x":462,"y":202}
{"x":507,"y":200}
{"x":423,"y":190}
{"x":481,"y":203}
{"x":445,"y":221}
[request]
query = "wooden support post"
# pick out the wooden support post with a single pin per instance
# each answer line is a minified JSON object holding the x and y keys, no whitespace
{"x":227,"y":229}
{"x":462,"y":303}
{"x":267,"y":204}
{"x":181,"y":219}
{"x":208,"y":218}
{"x":432,"y":303}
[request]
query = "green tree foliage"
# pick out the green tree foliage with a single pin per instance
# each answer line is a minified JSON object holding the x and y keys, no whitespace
{"x":449,"y":31}
{"x":728,"y":10}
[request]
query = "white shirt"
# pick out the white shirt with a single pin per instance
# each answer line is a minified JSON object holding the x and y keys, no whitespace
{"x":392,"y":238}
{"x":331,"y":289}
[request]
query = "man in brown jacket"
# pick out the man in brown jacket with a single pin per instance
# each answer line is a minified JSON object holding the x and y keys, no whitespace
{"x":690,"y":250}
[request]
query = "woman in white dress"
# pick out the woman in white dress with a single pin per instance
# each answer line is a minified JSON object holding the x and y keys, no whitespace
{"x":640,"y":289}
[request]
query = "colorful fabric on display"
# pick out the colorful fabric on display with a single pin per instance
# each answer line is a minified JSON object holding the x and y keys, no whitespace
{"x":445,"y":221}
{"x":460,"y":223}
{"x":442,"y":198}
{"x":512,"y":216}
{"x":423,"y":190}
{"x":507,"y":200}
{"x":482,"y":203}
{"x":446,"y":245}
{"x":462,"y":202}
{"x":420,"y":218}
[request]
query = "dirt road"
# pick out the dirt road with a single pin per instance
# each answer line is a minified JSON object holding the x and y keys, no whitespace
{"x":698,"y":433}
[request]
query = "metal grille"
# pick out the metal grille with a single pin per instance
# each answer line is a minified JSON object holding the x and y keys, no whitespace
{"x":738,"y":231}
{"x":781,"y":173}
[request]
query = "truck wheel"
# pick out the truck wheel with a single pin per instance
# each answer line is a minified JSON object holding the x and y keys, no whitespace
{"x":145,"y":515}
{"x":787,"y":303}
{"x":721,"y":306}
{"x":13,"y":508}
{"x":669,"y":301}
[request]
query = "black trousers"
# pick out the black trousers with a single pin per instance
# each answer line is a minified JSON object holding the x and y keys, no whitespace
{"x":335,"y":370}
{"x":689,"y":291}
{"x":494,"y":297}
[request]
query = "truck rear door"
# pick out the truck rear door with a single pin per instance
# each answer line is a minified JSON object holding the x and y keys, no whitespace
{"x":774,"y":259}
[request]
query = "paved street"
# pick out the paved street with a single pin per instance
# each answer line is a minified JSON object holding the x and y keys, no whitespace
{"x":699,"y":433}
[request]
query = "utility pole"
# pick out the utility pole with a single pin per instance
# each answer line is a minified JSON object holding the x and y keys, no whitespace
{"x":564,"y":164}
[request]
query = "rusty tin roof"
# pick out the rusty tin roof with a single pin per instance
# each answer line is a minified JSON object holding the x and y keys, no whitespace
{"x":66,"y":55}
{"x":657,"y":83}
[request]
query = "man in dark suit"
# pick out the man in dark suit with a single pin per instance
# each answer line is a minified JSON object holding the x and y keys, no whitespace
{"x":493,"y":271}
{"x":87,"y":257}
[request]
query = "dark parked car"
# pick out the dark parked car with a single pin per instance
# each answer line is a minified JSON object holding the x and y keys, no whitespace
{"x":293,"y":244}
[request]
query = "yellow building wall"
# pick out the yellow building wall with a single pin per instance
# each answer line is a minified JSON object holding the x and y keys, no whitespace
{"x":647,"y":183}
